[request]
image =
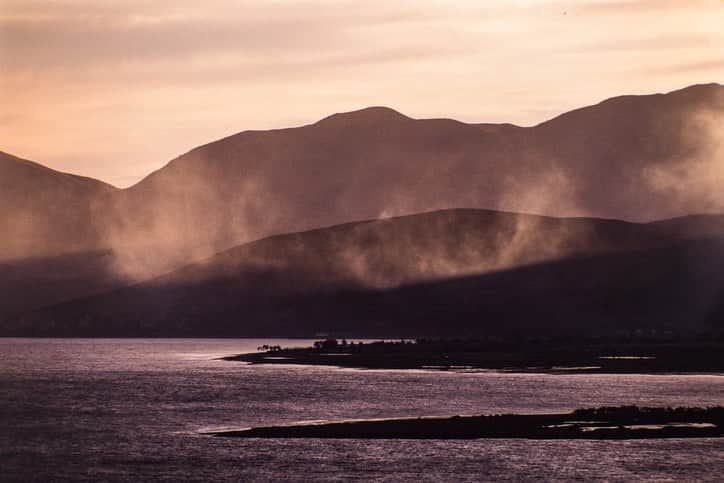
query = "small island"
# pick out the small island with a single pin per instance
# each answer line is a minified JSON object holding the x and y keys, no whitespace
{"x":623,"y":422}
{"x":643,"y":354}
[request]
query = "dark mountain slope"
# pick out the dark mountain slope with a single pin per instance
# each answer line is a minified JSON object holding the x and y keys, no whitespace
{"x":34,"y":282}
{"x":365,"y":278}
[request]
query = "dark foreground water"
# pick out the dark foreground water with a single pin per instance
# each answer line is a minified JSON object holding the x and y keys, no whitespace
{"x":134,"y":409}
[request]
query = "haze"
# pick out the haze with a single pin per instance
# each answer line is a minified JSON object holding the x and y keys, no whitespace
{"x":115,"y":89}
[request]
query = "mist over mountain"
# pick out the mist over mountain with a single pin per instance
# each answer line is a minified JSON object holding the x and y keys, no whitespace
{"x":630,"y":157}
{"x":637,"y":158}
{"x":443,"y":273}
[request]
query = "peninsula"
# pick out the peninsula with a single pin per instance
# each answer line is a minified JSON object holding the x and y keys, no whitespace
{"x":627,"y":354}
{"x":624,"y":422}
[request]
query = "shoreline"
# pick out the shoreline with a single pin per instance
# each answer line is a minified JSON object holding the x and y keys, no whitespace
{"x":484,"y":370}
{"x":608,"y":423}
{"x":550,"y":357}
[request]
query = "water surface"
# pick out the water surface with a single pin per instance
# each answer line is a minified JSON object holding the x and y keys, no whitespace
{"x":134,"y":409}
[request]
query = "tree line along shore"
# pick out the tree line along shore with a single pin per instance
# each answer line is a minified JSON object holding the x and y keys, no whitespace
{"x":535,"y":354}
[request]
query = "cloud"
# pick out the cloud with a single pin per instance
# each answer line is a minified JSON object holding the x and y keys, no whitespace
{"x":625,"y":7}
{"x":661,"y":42}
{"x":703,"y":66}
{"x":103,"y":35}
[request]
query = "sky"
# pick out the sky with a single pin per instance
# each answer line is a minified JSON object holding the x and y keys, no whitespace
{"x":115,"y":89}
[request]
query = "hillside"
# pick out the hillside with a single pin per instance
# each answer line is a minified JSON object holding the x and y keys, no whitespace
{"x":631,"y":157}
{"x":446,"y":272}
{"x":45,"y":212}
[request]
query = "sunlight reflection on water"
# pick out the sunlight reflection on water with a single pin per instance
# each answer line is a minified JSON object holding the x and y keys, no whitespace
{"x":118,"y":409}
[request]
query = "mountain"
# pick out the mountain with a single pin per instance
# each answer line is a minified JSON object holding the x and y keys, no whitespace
{"x":45,"y":212}
{"x":51,"y":237}
{"x":632,"y":157}
{"x":29,"y":283}
{"x":445,"y":273}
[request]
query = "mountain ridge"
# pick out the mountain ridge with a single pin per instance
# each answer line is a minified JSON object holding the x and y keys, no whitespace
{"x":636,"y":158}
{"x":707,"y":85}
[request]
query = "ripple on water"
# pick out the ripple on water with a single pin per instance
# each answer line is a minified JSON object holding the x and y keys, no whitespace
{"x":134,"y":409}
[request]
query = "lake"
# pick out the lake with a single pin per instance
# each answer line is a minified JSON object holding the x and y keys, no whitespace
{"x":136,"y":409}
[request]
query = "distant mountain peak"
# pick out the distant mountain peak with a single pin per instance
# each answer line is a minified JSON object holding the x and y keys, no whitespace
{"x":373,"y":114}
{"x":704,"y":86}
